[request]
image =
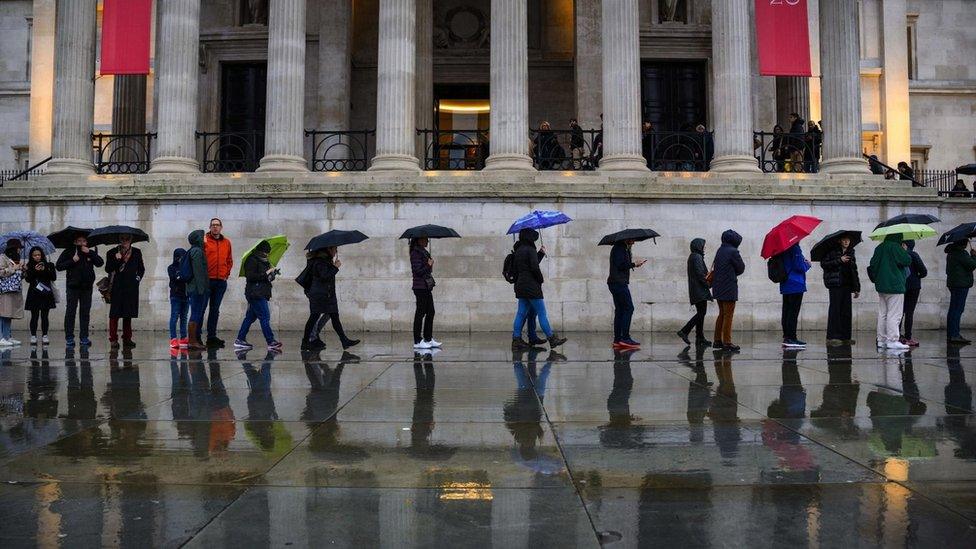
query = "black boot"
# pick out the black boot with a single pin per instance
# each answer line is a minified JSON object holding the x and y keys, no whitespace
{"x":519,"y":344}
{"x":684,"y":337}
{"x":555,"y":340}
{"x":347,"y":343}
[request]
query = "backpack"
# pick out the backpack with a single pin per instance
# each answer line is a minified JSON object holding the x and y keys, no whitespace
{"x":776,"y":269}
{"x":508,"y":268}
{"x":184,"y":271}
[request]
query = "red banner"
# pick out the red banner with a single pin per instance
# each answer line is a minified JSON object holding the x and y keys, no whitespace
{"x":126,"y":28}
{"x":783,"y":37}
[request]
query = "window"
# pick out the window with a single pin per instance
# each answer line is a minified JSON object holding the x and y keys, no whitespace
{"x":920,"y":157}
{"x":253,"y":12}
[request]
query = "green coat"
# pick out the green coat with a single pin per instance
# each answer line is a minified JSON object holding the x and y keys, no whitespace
{"x":887,"y":268}
{"x":959,"y":266}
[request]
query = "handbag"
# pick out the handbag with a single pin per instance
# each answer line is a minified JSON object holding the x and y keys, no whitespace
{"x":710,"y":277}
{"x":430,"y":282}
{"x":104,"y":286}
{"x":11,"y":284}
{"x":57,"y":294}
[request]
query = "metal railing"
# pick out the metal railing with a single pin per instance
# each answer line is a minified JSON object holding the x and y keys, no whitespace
{"x":787,"y":152}
{"x":944,"y":181}
{"x":678,"y":151}
{"x":340,"y":151}
{"x":122,"y":153}
{"x":454,"y":149}
{"x":564,"y":149}
{"x":222,"y":152}
{"x":25,"y":174}
{"x":878,"y":167}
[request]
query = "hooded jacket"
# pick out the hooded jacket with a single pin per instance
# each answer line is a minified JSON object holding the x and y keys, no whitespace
{"x":198,"y":260}
{"x":528,"y":281}
{"x":836,"y":273}
{"x":697,"y":272}
{"x":728,"y":265}
{"x":621,"y":262}
{"x":917,"y":270}
{"x":321,"y":293}
{"x":887,"y":268}
{"x":796,"y":271}
{"x":79,"y":275}
{"x":258,"y":285}
{"x":177,"y":288}
{"x":959,"y":266}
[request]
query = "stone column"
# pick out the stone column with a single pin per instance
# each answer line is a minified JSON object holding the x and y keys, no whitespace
{"x":841,"y":88}
{"x":621,"y":88}
{"x":177,"y":75}
{"x":509,"y":137}
{"x":589,"y":63}
{"x":74,"y":88}
{"x":395,"y":87}
{"x":792,"y":95}
{"x":129,"y":116}
{"x":284,"y":133}
{"x":335,"y":64}
{"x":425,"y":72}
{"x":731,"y":36}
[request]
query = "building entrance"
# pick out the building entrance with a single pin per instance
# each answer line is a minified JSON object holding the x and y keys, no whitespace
{"x":243,"y":95}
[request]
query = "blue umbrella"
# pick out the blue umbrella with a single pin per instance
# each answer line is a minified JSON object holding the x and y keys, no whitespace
{"x":29,"y":239}
{"x":539,"y":219}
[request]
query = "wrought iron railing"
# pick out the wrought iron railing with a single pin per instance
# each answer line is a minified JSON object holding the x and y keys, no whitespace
{"x":222,"y":152}
{"x":564,"y":149}
{"x":340,"y":151}
{"x":787,"y":152}
{"x":122,"y":153}
{"x":880,"y":168}
{"x":454,"y":149}
{"x":944,"y":181}
{"x":25,"y":174}
{"x":678,"y":151}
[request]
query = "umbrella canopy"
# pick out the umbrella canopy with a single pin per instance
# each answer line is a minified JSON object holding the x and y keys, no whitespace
{"x":28,"y":239}
{"x":914,"y":219}
{"x":908,"y":231}
{"x":65,"y":238}
{"x":334,"y":238}
{"x":279,"y":245}
{"x":960,"y":232}
{"x":637,"y":235}
{"x":966,"y":169}
{"x":539,"y":219}
{"x":831,"y":240}
{"x":787,"y":233}
{"x":110,"y":235}
{"x":430,"y":231}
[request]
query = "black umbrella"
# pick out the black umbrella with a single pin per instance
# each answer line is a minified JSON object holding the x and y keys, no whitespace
{"x":831,"y":240}
{"x":967,"y":169}
{"x":960,"y":232}
{"x":917,"y":219}
{"x":110,"y":235}
{"x":637,"y":235}
{"x":334,"y":238}
{"x":65,"y":238}
{"x":430,"y":231}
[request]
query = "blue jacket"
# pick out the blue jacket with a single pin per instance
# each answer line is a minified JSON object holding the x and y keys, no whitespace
{"x":728,"y":265}
{"x":796,"y":271}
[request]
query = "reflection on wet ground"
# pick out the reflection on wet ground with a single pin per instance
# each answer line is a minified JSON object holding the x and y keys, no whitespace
{"x":477,"y":446}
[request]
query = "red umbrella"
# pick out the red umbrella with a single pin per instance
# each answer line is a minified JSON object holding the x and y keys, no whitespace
{"x":788,"y":233}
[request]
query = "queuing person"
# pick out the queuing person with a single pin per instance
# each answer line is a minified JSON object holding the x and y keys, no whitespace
{"x":220,"y":263}
{"x":726,"y":269}
{"x":843,"y":283}
{"x":960,"y":264}
{"x":913,"y":287}
{"x":78,"y":263}
{"x":40,"y":274}
{"x":259,"y":274}
{"x":698,"y":294}
{"x":887,"y":271}
{"x":179,"y":303}
{"x":197,"y":288}
{"x":528,"y":290}
{"x":618,"y":281}
{"x":125,"y":269}
{"x":792,"y":290}
{"x":422,"y":268}
{"x":323,"y":303}
{"x":11,"y":295}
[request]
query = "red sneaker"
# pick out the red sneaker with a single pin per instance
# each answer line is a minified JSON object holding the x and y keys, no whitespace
{"x":174,"y":343}
{"x":184,"y":343}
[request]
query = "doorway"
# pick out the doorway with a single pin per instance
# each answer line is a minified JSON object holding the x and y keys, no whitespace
{"x":243,"y":96}
{"x":459,"y":139}
{"x":673,"y":94}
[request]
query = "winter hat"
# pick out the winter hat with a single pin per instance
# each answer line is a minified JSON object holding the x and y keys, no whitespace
{"x":263,"y":247}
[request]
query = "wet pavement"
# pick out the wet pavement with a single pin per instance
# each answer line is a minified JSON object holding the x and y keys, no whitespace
{"x":474,"y":446}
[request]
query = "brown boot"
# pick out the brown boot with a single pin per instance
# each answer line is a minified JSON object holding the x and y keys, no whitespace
{"x":193,"y":335}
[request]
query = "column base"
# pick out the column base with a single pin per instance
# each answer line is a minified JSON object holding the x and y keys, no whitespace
{"x":394,"y":162}
{"x":69,"y":166}
{"x":845,"y":166}
{"x":174,"y":164}
{"x":282,"y":163}
{"x":520,"y":162}
{"x":623,"y":163}
{"x":734,"y":163}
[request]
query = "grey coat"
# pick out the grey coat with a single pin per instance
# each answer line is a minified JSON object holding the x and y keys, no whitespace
{"x":12,"y":304}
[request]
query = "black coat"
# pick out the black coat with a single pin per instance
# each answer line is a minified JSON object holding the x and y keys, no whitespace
{"x":125,"y":283}
{"x":80,"y":275}
{"x":258,"y":281}
{"x":697,"y":272}
{"x":917,"y":270}
{"x":528,"y":282}
{"x":37,"y":299}
{"x":837,"y":274}
{"x":621,"y":262}
{"x":728,"y":265}
{"x":322,"y":291}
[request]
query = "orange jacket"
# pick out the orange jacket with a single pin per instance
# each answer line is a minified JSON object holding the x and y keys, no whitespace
{"x":220,"y":257}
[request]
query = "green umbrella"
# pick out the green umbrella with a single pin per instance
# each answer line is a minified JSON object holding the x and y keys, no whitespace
{"x":278,"y":246}
{"x":908,"y":231}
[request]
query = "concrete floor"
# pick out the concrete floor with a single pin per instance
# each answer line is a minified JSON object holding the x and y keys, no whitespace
{"x":476,"y":447}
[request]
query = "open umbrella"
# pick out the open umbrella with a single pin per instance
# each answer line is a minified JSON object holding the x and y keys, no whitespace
{"x":966,"y":169}
{"x":637,"y":235}
{"x":539,"y":219}
{"x":279,"y":244}
{"x":960,"y":232}
{"x":831,"y":240}
{"x":787,"y":233}
{"x":111,"y":234}
{"x":65,"y":238}
{"x":28,"y":239}
{"x":914,"y":219}
{"x":908,"y":231}
{"x":334,"y":238}
{"x":430,"y":231}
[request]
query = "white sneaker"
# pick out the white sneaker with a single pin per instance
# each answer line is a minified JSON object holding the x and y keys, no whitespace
{"x":33,"y":340}
{"x":434,"y":343}
{"x":14,"y":341}
{"x":897,"y":345}
{"x":6,"y":343}
{"x":45,"y":339}
{"x":421,"y":345}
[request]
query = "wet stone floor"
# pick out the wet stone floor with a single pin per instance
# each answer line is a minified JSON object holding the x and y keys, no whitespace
{"x":475,"y":446}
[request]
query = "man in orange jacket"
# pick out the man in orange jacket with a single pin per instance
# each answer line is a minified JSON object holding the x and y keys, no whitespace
{"x":220,"y":262}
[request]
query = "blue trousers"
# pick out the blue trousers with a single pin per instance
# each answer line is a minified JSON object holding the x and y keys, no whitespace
{"x":528,"y":308}
{"x":957,"y":304}
{"x":623,"y":311}
{"x":179,"y":308}
{"x":5,"y":327}
{"x":217,"y":289}
{"x":198,"y":306}
{"x":257,"y":309}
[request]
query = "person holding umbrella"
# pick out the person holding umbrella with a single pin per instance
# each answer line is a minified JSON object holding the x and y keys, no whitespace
{"x":726,"y":269}
{"x":887,"y":271}
{"x":618,"y":282}
{"x":78,"y":262}
{"x":125,"y":269}
{"x":528,"y":289}
{"x":39,"y":273}
{"x":318,"y":281}
{"x":840,"y":277}
{"x":960,"y":264}
{"x":259,"y":274}
{"x":11,"y":298}
{"x":422,"y":268}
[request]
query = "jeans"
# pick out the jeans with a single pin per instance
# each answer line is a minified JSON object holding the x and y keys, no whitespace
{"x":535,"y":307}
{"x":623,"y":311}
{"x":42,"y":314}
{"x":77,"y":299}
{"x":198,"y":306}
{"x":217,"y":289}
{"x":723,"y":323}
{"x":5,"y":327}
{"x":911,"y":301}
{"x":890,"y":307}
{"x":257,"y":309}
{"x":697,"y":322}
{"x":423,"y":316}
{"x":839,"y":313}
{"x":790,"y":314}
{"x":179,"y":307}
{"x":957,"y":304}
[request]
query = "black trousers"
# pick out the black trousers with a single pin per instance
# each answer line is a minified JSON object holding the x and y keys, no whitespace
{"x":791,"y":314}
{"x":839,"y":313}
{"x":77,"y":300}
{"x":423,"y":316}
{"x":317,"y":321}
{"x":698,"y":321}
{"x":911,"y":301}
{"x":42,"y":314}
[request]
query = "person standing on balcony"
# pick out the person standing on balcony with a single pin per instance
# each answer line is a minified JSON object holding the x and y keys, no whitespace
{"x":79,"y":263}
{"x":726,"y":269}
{"x":548,"y":153}
{"x":960,"y":265}
{"x":913,"y":287}
{"x":577,"y":144}
{"x":814,"y":140}
{"x":647,"y":142}
{"x":220,"y":263}
{"x":797,"y":124}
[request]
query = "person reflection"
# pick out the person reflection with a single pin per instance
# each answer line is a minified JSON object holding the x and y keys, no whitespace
{"x":42,"y":391}
{"x":223,"y":425}
{"x":82,"y":407}
{"x":523,"y":412}
{"x":699,"y":393}
{"x":894,"y":412}
{"x":839,"y":405}
{"x":321,"y":405}
{"x":123,"y":402}
{"x":959,"y":407}
{"x":261,"y":414}
{"x":620,"y":431}
{"x":723,"y":409}
{"x":780,"y":433}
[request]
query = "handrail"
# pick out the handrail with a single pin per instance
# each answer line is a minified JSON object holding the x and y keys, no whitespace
{"x":28,"y":170}
{"x":914,"y":181}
